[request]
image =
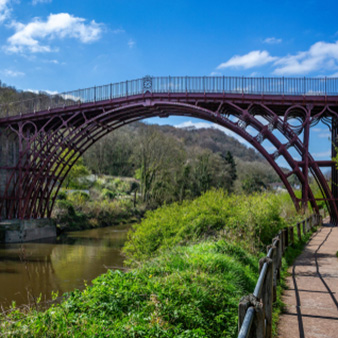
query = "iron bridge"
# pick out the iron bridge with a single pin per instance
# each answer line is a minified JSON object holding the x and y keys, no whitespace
{"x":41,"y":138}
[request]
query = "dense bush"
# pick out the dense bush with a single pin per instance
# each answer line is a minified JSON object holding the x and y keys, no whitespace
{"x":253,"y":220}
{"x":106,"y":201}
{"x":77,"y":212}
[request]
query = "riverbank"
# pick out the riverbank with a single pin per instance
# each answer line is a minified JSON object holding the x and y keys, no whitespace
{"x":32,"y":271}
{"x":192,"y":262}
{"x":98,"y":202}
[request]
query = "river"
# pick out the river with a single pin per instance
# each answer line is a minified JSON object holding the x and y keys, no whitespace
{"x":63,"y":264}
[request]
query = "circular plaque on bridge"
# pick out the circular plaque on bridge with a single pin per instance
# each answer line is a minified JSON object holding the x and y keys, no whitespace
{"x":147,"y":84}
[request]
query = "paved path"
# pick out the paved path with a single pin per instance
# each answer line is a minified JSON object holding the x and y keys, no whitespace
{"x":312,"y":297}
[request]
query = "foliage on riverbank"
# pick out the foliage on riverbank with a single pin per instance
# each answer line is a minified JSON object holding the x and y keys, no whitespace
{"x":99,"y":202}
{"x":195,"y":261}
{"x":251,"y":220}
{"x":192,"y":291}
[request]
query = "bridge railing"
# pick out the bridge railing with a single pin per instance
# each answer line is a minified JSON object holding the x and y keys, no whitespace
{"x":255,"y":310}
{"x":175,"y":84}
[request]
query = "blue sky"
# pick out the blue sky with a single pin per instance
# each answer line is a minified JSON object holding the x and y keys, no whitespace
{"x":58,"y":45}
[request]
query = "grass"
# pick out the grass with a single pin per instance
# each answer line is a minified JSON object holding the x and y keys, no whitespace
{"x":192,"y":263}
{"x":193,"y":291}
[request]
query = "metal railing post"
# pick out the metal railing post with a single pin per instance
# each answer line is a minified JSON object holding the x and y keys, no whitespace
{"x":285,"y":86}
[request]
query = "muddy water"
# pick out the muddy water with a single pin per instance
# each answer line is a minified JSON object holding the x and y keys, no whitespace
{"x":60,"y":265}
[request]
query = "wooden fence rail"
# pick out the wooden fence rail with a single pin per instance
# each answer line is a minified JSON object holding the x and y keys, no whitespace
{"x":255,"y":310}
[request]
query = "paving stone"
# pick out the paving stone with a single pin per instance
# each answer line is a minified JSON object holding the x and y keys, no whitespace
{"x":312,"y":297}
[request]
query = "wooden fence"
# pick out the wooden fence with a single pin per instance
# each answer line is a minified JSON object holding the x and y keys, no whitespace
{"x":255,"y":310}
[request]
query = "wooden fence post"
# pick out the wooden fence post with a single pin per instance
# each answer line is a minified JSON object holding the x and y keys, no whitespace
{"x":286,"y":237}
{"x":299,"y":232}
{"x":243,"y":306}
{"x":281,"y":236}
{"x":292,"y":238}
{"x":267,"y":293}
{"x":275,"y":269}
{"x":258,"y":323}
{"x":304,"y":227}
{"x":257,"y":328}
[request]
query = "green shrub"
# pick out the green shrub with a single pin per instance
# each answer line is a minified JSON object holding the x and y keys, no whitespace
{"x":68,"y":217}
{"x":108,"y":194}
{"x":252,"y":220}
{"x":62,"y":195}
{"x":79,"y":196}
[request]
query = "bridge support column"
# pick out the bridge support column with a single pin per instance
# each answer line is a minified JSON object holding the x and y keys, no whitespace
{"x":334,"y":172}
{"x":18,"y":231}
{"x":305,"y":159}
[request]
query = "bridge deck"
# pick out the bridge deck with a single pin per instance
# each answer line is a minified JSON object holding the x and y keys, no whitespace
{"x":312,"y":298}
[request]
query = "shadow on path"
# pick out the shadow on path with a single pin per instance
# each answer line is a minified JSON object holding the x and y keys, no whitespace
{"x":311,"y":304}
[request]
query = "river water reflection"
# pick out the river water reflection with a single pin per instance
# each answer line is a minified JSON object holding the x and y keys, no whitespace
{"x":63,"y":264}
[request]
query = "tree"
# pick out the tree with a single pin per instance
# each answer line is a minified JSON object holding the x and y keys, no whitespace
{"x":157,"y":159}
{"x":229,"y":159}
{"x":77,"y":171}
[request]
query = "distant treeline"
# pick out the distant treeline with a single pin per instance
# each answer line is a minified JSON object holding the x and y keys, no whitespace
{"x":173,"y":164}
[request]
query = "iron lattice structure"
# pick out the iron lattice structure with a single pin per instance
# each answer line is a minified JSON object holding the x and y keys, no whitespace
{"x":42,"y":138}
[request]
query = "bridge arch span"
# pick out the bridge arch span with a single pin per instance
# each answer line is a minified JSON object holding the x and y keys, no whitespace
{"x":57,"y":142}
{"x":42,"y":138}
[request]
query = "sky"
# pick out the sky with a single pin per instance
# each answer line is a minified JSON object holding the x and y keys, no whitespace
{"x":57,"y":45}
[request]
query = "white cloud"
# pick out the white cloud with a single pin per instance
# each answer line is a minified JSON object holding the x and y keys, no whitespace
{"x":5,"y":10}
{"x":320,"y":56}
{"x":272,"y":41}
{"x":322,"y":133}
{"x":63,"y":25}
{"x":35,"y":91}
{"x":118,"y":31}
{"x":12,"y":73}
{"x":54,"y":92}
{"x":200,"y":125}
{"x":326,"y":135}
{"x":131,"y":43}
{"x":215,"y":74}
{"x":55,"y":62}
{"x":35,"y":2}
{"x":323,"y":154}
{"x":255,"y":58}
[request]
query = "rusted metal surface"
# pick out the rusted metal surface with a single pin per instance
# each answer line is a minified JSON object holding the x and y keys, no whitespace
{"x":42,"y":138}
